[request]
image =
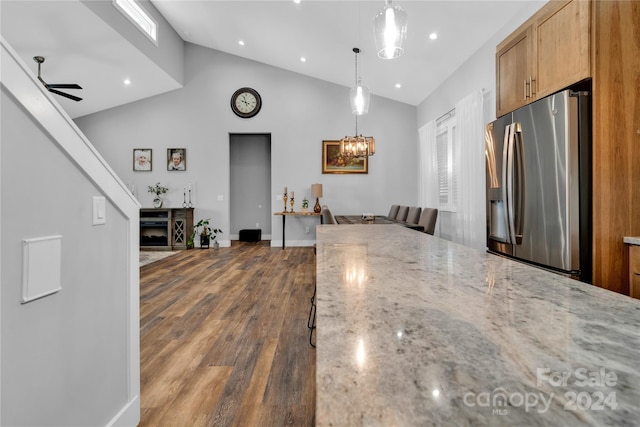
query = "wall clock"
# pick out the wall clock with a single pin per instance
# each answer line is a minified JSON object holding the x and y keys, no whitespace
{"x":246,"y":102}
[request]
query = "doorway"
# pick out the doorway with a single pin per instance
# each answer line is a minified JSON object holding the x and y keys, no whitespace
{"x":250,"y":195}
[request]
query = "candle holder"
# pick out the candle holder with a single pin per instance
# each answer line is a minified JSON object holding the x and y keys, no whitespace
{"x":190,"y":204}
{"x":292,"y":200}
{"x":184,"y":199}
{"x":285,"y":203}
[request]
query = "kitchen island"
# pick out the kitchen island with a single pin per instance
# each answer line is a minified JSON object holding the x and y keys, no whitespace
{"x":413,"y":330}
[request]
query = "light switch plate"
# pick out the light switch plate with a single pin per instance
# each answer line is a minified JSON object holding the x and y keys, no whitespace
{"x":220,"y":198}
{"x":99,"y":210}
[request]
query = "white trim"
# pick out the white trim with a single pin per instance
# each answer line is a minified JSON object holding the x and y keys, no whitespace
{"x":20,"y":82}
{"x":129,"y":415}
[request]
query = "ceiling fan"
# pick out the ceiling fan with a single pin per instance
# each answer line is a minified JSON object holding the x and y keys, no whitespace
{"x":52,"y":87}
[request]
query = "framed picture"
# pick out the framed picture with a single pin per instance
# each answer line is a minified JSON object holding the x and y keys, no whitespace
{"x":334,"y":162}
{"x":176,"y":159}
{"x":142,"y":159}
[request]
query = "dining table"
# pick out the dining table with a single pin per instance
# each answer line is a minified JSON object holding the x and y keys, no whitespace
{"x":374,"y":220}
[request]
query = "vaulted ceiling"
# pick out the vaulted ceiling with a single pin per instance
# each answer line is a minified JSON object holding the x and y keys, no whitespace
{"x":81,"y":48}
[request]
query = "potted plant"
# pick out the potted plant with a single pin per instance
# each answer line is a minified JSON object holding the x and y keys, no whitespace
{"x":305,"y":205}
{"x":207,"y":234}
{"x":157,"y":190}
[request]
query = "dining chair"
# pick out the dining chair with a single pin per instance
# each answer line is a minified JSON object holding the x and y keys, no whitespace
{"x":428,"y":220}
{"x":403,"y":211}
{"x":327,"y":216}
{"x":413,"y":217}
{"x":393,"y":212}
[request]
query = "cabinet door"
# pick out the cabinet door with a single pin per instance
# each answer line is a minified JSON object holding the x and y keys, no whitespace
{"x":513,"y":72}
{"x":562,"y":53}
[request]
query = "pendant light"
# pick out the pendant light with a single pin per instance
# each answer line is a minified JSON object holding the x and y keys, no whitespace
{"x":357,"y":145}
{"x":390,"y":29}
{"x":359,"y":95}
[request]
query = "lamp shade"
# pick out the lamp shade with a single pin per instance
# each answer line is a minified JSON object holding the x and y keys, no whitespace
{"x":390,"y":30}
{"x":316,"y":190}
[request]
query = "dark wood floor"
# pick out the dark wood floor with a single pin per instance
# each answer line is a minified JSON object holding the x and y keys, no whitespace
{"x":224,"y":338}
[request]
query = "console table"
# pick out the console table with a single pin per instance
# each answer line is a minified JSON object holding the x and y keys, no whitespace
{"x":286,"y":214}
{"x":165,"y":229}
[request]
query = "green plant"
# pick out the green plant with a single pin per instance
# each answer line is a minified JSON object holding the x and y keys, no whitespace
{"x":157,"y":189}
{"x":202,"y":228}
{"x":305,"y":203}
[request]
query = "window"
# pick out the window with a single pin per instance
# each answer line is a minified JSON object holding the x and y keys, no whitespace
{"x":136,"y":14}
{"x":447,"y":175}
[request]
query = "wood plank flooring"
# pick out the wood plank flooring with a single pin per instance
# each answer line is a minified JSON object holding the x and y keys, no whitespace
{"x":224,"y":338}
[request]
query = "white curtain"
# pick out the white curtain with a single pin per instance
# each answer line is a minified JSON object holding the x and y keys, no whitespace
{"x":470,"y":217}
{"x":427,"y":167}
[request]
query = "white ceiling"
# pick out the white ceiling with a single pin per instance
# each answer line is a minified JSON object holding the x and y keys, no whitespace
{"x":80,"y":48}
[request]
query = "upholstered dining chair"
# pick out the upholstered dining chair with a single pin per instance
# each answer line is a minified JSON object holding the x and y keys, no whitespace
{"x":428,"y":220}
{"x":414,"y":215}
{"x":403,"y":211}
{"x":393,"y":212}
{"x":327,"y":216}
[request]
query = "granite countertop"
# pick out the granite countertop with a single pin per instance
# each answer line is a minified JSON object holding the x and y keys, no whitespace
{"x":632,"y":240}
{"x":413,"y":330}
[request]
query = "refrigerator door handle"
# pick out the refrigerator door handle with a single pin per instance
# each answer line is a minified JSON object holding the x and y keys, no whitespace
{"x":519,"y":192}
{"x":507,"y":181}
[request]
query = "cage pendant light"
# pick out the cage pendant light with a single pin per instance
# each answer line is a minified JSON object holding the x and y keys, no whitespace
{"x":359,"y":94}
{"x":357,"y":145}
{"x":390,"y":30}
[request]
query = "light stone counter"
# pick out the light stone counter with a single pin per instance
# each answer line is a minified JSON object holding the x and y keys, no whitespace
{"x":632,"y":240}
{"x":413,"y":330}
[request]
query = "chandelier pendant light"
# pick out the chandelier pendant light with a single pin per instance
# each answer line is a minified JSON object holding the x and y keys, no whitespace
{"x":357,"y":145}
{"x":390,"y":30}
{"x":359,"y":94}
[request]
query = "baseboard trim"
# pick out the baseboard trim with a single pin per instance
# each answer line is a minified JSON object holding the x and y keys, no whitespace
{"x":128,"y":416}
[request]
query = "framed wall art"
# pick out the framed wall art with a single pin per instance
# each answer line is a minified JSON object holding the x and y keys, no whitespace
{"x":334,"y":162}
{"x":176,"y":159}
{"x":142,"y":159}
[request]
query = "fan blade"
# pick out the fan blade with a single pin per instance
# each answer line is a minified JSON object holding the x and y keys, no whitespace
{"x":64,"y":86}
{"x":66,"y":95}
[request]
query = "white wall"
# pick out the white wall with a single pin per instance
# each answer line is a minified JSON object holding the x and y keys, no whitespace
{"x":65,"y":356}
{"x":72,"y":357}
{"x":298,"y":111}
{"x":478,"y":72}
{"x":170,"y":50}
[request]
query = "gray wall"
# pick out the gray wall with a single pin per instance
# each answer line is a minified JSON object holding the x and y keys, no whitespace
{"x":478,"y":72}
{"x":167,"y":55}
{"x":250,"y":157}
{"x":198,"y":118}
{"x":64,"y":357}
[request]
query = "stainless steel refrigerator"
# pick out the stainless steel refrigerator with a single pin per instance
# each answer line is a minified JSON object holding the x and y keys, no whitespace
{"x":538,"y":162}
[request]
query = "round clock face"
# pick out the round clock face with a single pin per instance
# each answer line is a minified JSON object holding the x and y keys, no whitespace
{"x":246,"y":102}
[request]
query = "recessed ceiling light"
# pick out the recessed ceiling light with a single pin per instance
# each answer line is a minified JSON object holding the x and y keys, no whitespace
{"x":433,"y":36}
{"x":398,"y":85}
{"x":127,"y":82}
{"x":303,"y":59}
{"x":241,"y":42}
{"x":296,"y":1}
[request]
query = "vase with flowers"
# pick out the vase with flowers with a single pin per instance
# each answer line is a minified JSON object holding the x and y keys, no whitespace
{"x":158,"y":190}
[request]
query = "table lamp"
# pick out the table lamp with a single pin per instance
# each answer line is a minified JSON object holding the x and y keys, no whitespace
{"x":316,"y":191}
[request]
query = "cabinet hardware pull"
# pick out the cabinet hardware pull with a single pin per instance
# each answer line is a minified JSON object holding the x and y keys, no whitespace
{"x":524,"y":85}
{"x":531,"y":92}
